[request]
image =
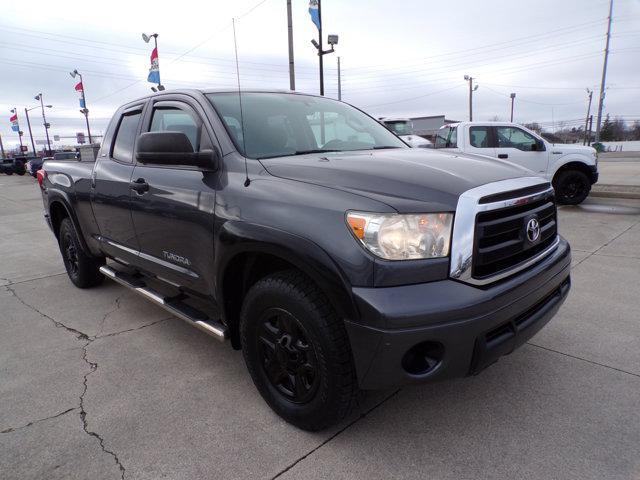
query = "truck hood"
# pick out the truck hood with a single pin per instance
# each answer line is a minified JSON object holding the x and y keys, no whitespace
{"x":405,"y":179}
{"x":567,"y":148}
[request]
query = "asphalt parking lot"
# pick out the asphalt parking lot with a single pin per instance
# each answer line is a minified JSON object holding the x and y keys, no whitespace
{"x":101,"y":384}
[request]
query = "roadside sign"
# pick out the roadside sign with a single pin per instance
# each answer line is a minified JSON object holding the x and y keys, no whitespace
{"x":80,"y":138}
{"x":23,"y":148}
{"x":56,"y":138}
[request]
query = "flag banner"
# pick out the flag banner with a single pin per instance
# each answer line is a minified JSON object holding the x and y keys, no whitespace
{"x":80,"y":90}
{"x":313,"y":11}
{"x":154,"y":71}
{"x":14,"y":123}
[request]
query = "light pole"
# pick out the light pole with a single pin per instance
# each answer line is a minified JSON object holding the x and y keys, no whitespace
{"x":339,"y":81}
{"x":26,"y":114}
{"x":471,"y":90}
{"x":331,"y":40}
{"x":83,"y":102}
{"x":292,"y":74}
{"x":15,"y":112}
{"x":154,"y":71}
{"x":44,"y":119}
{"x":513,"y":97}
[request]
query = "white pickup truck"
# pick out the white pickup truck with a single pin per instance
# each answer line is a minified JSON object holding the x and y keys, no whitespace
{"x":572,"y":169}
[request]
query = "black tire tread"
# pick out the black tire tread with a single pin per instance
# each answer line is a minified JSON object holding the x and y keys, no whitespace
{"x":331,"y":326}
{"x":559,"y":194}
{"x":88,"y":266}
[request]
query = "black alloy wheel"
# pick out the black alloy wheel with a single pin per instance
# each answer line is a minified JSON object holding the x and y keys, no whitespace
{"x":287,"y":357}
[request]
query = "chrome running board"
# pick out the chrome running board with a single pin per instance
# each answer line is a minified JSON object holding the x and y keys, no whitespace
{"x":176,"y":307}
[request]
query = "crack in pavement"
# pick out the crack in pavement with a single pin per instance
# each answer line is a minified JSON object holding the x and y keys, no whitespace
{"x":92,"y":368}
{"x":83,"y":413}
{"x":312,"y":451}
{"x":107,"y":335}
{"x":79,"y":335}
{"x":13,"y":429}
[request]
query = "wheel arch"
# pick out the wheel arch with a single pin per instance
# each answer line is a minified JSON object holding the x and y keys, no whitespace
{"x":245,"y":253}
{"x":572,"y":164}
{"x":59,"y":209}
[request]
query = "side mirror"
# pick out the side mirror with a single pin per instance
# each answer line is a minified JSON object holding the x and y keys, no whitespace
{"x":538,"y":146}
{"x":172,"y":148}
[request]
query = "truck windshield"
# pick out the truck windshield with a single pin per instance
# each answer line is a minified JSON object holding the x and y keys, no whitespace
{"x":447,"y":137}
{"x":282,"y":124}
{"x":400,"y":127}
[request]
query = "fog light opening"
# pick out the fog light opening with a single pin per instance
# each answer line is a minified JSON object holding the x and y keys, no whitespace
{"x":422,"y":358}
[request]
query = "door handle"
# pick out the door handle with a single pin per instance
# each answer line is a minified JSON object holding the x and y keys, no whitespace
{"x":503,"y":155}
{"x":140,"y":185}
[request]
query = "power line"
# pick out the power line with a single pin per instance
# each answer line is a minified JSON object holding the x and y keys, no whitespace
{"x":562,"y":31}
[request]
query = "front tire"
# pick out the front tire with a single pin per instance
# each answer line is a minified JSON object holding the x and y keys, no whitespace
{"x":297,"y":351}
{"x":572,"y":187}
{"x":82,"y":269}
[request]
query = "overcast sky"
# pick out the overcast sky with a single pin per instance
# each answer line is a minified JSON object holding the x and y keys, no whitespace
{"x":403,"y":58}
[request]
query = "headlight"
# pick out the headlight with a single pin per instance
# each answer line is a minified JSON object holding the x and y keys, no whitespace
{"x":403,"y":236}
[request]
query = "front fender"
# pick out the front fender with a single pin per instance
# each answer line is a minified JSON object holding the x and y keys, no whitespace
{"x":238,"y":238}
{"x":563,"y":160}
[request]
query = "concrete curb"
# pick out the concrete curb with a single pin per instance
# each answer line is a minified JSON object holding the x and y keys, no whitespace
{"x":616,"y":191}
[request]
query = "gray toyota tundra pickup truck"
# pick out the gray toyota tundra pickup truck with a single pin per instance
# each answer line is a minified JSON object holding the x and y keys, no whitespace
{"x":305,"y":233}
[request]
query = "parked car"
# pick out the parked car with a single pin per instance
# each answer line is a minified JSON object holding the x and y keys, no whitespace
{"x":572,"y":169}
{"x":16,"y":165}
{"x":403,"y":128}
{"x":337,"y":258}
{"x":34,"y":164}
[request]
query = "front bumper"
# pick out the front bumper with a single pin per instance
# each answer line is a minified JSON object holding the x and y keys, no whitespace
{"x":593,"y":174}
{"x":472,"y":326}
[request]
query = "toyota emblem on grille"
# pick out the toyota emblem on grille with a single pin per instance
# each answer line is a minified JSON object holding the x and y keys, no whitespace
{"x":533,"y":230}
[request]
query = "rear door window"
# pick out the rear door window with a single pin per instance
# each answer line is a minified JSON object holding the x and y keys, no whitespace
{"x":126,"y":137}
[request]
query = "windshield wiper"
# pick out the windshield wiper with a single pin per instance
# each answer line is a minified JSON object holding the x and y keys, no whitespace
{"x":316,"y":150}
{"x":299,"y":152}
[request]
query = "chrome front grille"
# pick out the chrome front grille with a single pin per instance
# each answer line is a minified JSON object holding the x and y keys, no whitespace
{"x":490,"y":240}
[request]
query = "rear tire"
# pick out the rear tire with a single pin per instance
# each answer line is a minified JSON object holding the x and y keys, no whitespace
{"x":297,"y":351}
{"x":572,"y":187}
{"x":82,"y":269}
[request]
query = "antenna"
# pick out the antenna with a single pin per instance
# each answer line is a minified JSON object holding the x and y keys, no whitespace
{"x":247,"y":182}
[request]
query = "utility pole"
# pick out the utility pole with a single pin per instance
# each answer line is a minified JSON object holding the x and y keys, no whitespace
{"x":33,"y":145}
{"x":1,"y":147}
{"x":339,"y":82}
{"x":604,"y":73}
{"x":586,"y":122}
{"x":292,"y":74}
{"x":590,"y":127}
{"x":471,"y":90}
{"x":513,"y":97}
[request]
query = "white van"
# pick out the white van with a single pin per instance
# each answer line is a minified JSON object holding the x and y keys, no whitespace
{"x":572,"y":169}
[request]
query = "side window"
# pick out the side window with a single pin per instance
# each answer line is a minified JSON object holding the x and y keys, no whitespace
{"x":172,"y":119}
{"x":126,"y":137}
{"x":512,"y":137}
{"x":479,"y":137}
